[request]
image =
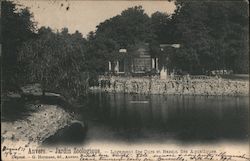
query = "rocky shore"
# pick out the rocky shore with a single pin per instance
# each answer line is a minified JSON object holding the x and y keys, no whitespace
{"x":147,"y":85}
{"x":34,"y":129}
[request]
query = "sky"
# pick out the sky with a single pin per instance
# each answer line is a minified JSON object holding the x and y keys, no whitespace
{"x":84,"y":15}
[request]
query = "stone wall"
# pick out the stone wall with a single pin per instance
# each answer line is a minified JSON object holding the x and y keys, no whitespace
{"x":147,"y":85}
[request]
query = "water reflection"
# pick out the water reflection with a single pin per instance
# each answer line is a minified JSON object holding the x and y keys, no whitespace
{"x":159,"y":118}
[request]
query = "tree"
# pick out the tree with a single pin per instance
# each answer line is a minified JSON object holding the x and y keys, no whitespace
{"x":128,"y":28}
{"x":57,"y":61}
{"x":215,"y":33}
{"x":100,"y":51}
{"x":163,"y":28}
{"x":17,"y":27}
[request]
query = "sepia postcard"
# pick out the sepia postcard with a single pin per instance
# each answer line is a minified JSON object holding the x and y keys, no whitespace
{"x":124,"y":80}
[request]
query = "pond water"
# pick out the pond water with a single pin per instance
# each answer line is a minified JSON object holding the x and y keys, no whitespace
{"x":133,"y":118}
{"x":156,"y":118}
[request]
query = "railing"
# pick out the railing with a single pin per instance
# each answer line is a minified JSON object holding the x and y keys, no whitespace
{"x":170,"y":77}
{"x":191,"y":77}
{"x":201,"y":77}
{"x":104,"y":77}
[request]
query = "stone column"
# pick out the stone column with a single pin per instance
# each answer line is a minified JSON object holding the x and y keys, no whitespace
{"x":110,"y":67}
{"x":117,"y":66}
{"x":163,"y":74}
{"x":156,"y":64}
{"x":153,"y":63}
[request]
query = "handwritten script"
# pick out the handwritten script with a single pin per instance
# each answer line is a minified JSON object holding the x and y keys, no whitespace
{"x":81,"y":153}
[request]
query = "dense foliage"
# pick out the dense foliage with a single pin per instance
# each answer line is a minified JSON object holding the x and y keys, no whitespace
{"x":213,"y":35}
{"x":57,"y":61}
{"x":130,"y":27}
{"x":16,"y":27}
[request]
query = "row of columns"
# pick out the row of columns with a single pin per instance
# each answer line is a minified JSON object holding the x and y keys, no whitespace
{"x":116,"y":69}
{"x":154,"y":61}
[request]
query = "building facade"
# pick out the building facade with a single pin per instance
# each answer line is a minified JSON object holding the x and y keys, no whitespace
{"x":141,"y":62}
